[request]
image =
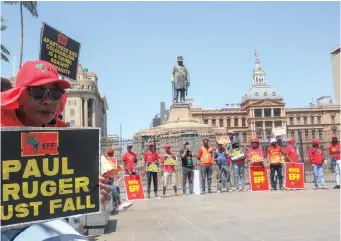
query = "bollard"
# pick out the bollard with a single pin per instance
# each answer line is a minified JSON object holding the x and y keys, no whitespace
{"x":196,"y":182}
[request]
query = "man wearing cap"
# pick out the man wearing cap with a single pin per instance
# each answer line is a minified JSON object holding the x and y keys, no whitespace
{"x":205,"y":156}
{"x":275,"y":157}
{"x":187,"y":168}
{"x":334,"y":152}
{"x":316,"y":158}
{"x":168,"y":171}
{"x":222,"y":159}
{"x":151,"y":156}
{"x":37,"y":100}
{"x":255,"y":154}
{"x":129,"y":160}
{"x":290,"y":151}
{"x":238,"y":157}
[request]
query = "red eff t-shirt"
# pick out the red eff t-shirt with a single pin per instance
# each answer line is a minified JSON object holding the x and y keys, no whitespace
{"x":167,"y":168}
{"x":129,"y":158}
{"x":291,"y":152}
{"x":334,"y":150}
{"x":151,"y":156}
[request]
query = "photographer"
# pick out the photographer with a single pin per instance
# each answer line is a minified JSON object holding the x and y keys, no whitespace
{"x":187,"y":168}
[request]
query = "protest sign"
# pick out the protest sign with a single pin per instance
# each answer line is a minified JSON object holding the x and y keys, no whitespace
{"x":224,"y":139}
{"x":259,"y":180}
{"x":170,"y":160}
{"x":109,"y":166}
{"x":134,"y":187}
{"x":152,"y":167}
{"x":48,"y":173}
{"x":294,"y":175}
{"x":59,"y":50}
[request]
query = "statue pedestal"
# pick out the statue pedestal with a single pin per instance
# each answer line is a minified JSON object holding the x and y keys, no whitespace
{"x":180,"y":112}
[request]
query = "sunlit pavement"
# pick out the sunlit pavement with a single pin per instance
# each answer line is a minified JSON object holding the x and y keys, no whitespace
{"x":305,"y":215}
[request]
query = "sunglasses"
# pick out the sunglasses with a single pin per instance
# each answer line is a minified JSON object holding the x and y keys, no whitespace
{"x":39,"y":93}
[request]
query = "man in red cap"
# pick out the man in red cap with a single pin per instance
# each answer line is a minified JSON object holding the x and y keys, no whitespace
{"x":255,"y":154}
{"x":316,"y":158}
{"x":290,"y":151}
{"x":129,"y":160}
{"x":151,"y":156}
{"x":334,"y":152}
{"x":205,"y":156}
{"x":168,"y":171}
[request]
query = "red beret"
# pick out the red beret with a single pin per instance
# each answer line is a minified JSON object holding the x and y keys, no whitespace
{"x":110,"y":151}
{"x":315,"y":141}
{"x":166,"y":145}
{"x":291,"y":140}
{"x":334,"y":136}
{"x":150,"y":144}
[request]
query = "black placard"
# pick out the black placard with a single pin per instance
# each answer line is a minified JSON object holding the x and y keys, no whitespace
{"x":59,"y":50}
{"x":54,"y":161}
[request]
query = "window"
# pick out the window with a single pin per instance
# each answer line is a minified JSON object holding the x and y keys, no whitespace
{"x":267,"y":112}
{"x":305,"y":120}
{"x":72,"y":123}
{"x":243,"y":122}
{"x":228,"y":122}
{"x":258,"y":112}
{"x":312,"y":120}
{"x":277,"y":111}
{"x":319,"y":120}
{"x":72,"y":112}
{"x":320,"y":134}
{"x":213,"y":123}
{"x":235,"y":122}
{"x":306,"y":134}
{"x":206,"y":121}
{"x":291,"y":120}
{"x":259,"y":134}
{"x":333,"y":119}
{"x":313,"y":133}
{"x":244,"y":137}
{"x":292,"y":133}
{"x":298,"y":120}
{"x":69,"y":102}
{"x":278,"y":123}
{"x":221,"y":123}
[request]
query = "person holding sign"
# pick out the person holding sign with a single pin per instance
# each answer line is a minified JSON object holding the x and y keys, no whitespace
{"x":290,"y":151}
{"x":255,"y":154}
{"x":238,"y":158}
{"x":222,"y":158}
{"x":205,"y":156}
{"x":129,"y":159}
{"x":316,"y":158}
{"x":334,"y":151}
{"x":168,"y":170}
{"x":187,"y":168}
{"x":275,"y":157}
{"x":151,"y":157}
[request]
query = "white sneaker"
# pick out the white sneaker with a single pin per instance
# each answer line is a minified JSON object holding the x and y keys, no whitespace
{"x":218,"y":191}
{"x":119,"y":209}
{"x":126,"y":205}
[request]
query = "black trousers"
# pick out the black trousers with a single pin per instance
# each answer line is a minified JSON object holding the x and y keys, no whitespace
{"x":277,"y":169}
{"x":150,"y":176}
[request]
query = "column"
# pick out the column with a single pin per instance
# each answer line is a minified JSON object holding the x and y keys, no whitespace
{"x":273,"y":125}
{"x":93,"y":113}
{"x":225,"y":122}
{"x":86,"y":112}
{"x":81,"y":112}
{"x":272,"y":112}
{"x":210,"y":121}
{"x":263,"y":128}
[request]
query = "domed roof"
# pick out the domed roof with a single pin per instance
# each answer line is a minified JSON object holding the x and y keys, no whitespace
{"x":261,"y":92}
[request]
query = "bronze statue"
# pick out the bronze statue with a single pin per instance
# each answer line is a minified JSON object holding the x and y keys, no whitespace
{"x":180,"y":81}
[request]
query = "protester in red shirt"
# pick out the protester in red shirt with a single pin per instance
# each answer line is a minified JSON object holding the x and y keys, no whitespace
{"x":255,"y":154}
{"x":151,"y":156}
{"x":334,"y":152}
{"x":316,"y":158}
{"x":290,"y":151}
{"x":275,"y":157}
{"x":168,"y":171}
{"x":129,"y":159}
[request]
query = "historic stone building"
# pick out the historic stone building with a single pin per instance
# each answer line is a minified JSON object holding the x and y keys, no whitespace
{"x":262,"y":113}
{"x":335,"y":58}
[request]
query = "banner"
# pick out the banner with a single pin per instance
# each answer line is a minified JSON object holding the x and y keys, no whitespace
{"x":152,"y":167}
{"x":134,"y":187}
{"x":170,"y":160}
{"x":48,"y":173}
{"x":59,"y":50}
{"x":224,"y":139}
{"x":259,"y":180}
{"x":294,"y":175}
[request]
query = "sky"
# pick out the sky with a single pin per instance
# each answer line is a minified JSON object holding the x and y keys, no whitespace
{"x":132,"y":46}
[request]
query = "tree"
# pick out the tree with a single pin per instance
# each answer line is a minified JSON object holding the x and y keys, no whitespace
{"x":30,"y":6}
{"x":4,"y":51}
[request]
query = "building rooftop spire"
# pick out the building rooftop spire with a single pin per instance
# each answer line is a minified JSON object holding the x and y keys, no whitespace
{"x":257,"y":60}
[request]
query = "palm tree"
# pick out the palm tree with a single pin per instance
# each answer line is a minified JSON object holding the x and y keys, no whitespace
{"x":4,"y":51}
{"x":31,"y":6}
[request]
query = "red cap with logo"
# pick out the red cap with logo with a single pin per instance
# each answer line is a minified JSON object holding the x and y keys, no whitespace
{"x":291,"y":140}
{"x":110,"y":151}
{"x":32,"y":73}
{"x":166,"y":145}
{"x":254,"y":139}
{"x":334,"y":136}
{"x":315,"y":141}
{"x":150,"y":144}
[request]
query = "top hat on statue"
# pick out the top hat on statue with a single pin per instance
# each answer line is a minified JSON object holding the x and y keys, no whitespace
{"x":180,"y":59}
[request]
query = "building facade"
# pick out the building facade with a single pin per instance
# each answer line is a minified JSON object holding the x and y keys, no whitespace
{"x":335,"y":58}
{"x":86,"y":105}
{"x":262,"y":113}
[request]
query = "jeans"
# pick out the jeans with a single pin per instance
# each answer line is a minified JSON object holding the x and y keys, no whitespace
{"x":224,"y":176}
{"x":238,"y":170}
{"x":172,"y":176}
{"x":337,"y":171}
{"x":318,"y":172}
{"x":206,"y":172}
{"x":278,"y":170}
{"x":150,"y":176}
{"x":116,"y":195}
{"x":187,"y":173}
{"x":283,"y":173}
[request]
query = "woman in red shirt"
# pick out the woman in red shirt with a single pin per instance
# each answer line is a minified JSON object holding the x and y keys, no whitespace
{"x":334,"y":151}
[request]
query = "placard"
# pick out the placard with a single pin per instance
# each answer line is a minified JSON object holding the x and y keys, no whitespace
{"x":134,"y":187}
{"x":48,"y":173}
{"x":294,"y":175}
{"x":59,"y":50}
{"x":113,"y":162}
{"x":259,"y":180}
{"x":237,"y":155}
{"x":152,"y":167}
{"x":170,"y":160}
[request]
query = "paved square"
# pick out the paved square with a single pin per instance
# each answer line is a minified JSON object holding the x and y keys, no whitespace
{"x":305,"y":215}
